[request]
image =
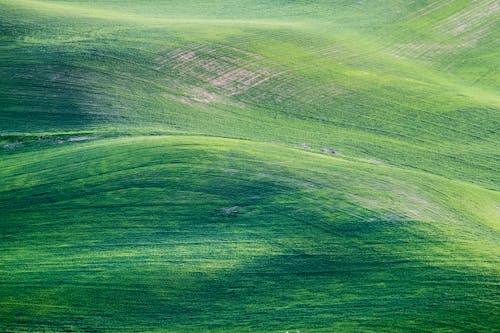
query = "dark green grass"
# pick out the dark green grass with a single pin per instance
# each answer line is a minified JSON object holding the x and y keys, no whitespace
{"x":139,"y":234}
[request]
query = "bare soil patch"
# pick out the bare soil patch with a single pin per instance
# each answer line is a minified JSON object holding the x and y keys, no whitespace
{"x":81,"y":138}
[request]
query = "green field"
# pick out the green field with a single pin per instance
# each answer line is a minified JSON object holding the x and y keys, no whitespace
{"x":167,"y":166}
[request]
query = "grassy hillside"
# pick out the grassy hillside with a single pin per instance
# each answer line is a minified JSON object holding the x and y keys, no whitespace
{"x":160,"y":166}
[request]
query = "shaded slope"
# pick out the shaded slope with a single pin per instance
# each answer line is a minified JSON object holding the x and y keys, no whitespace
{"x":189,"y":233}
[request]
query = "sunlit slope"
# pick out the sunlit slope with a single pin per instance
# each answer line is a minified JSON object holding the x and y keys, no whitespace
{"x":190,"y":234}
{"x":385,"y":81}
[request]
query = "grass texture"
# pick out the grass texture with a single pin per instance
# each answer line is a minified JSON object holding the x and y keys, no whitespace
{"x":166,"y":166}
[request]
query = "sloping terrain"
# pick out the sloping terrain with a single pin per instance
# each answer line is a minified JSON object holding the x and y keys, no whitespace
{"x":257,"y":166}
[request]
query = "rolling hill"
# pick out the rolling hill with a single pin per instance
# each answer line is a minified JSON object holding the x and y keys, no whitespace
{"x":249,"y":166}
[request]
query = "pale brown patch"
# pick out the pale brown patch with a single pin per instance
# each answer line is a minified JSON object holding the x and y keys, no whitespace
{"x":12,"y":145}
{"x":81,"y":138}
{"x":468,"y":26}
{"x":203,"y":96}
{"x":228,"y":211}
{"x":229,"y":70}
{"x":186,"y":56}
{"x":423,"y":51}
{"x":240,"y":80}
{"x":471,"y":17}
